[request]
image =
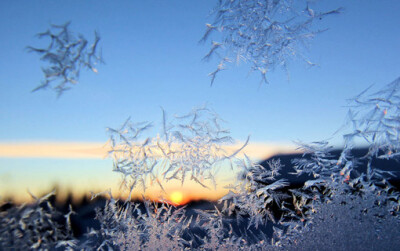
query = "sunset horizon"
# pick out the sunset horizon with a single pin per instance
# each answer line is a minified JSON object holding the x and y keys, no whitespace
{"x":44,"y":153}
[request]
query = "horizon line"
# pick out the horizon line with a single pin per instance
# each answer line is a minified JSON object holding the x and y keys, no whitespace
{"x":99,"y":150}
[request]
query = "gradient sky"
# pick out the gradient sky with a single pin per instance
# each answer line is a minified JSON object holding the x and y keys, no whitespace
{"x":153,"y":59}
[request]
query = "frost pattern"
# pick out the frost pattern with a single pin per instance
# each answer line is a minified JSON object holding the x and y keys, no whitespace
{"x":261,"y":211}
{"x":65,"y":56}
{"x":255,"y":192}
{"x":130,"y":226}
{"x":189,"y":147}
{"x":375,"y":119}
{"x":348,"y":222}
{"x":265,"y":33}
{"x":340,"y":192}
{"x":36,"y":226}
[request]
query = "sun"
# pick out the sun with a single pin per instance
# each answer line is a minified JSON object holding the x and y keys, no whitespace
{"x":176,"y":197}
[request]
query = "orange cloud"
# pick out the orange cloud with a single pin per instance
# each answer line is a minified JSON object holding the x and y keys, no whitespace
{"x":84,"y":180}
{"x":103,"y":179}
{"x":90,"y":150}
{"x":68,"y":150}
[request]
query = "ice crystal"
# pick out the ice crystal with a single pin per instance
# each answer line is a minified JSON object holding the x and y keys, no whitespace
{"x":255,"y":192}
{"x":348,"y":222}
{"x":36,"y":226}
{"x":346,"y":201}
{"x":265,"y":33}
{"x":134,"y":226}
{"x":375,"y":119}
{"x":65,"y":56}
{"x":189,"y":147}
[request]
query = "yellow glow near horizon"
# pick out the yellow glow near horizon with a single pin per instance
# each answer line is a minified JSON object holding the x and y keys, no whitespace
{"x":95,"y":150}
{"x":83,"y":168}
{"x":54,"y":150}
{"x":176,"y":197}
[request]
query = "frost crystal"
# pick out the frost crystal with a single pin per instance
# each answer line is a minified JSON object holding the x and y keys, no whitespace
{"x":65,"y":55}
{"x":189,"y":147}
{"x":267,"y":33}
{"x":255,"y":192}
{"x":375,"y":120}
{"x":36,"y":226}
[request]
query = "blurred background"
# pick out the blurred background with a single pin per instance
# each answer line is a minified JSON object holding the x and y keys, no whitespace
{"x":153,"y":60}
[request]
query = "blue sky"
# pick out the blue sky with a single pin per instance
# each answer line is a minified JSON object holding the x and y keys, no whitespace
{"x":153,"y":59}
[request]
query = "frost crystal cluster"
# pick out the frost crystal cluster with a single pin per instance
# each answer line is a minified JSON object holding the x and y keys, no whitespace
{"x":342,"y":201}
{"x":38,"y":226}
{"x":375,"y":119}
{"x":189,"y":147}
{"x":348,"y":222}
{"x":66,"y":55}
{"x":256,"y":192}
{"x":341,"y":193}
{"x":267,"y":33}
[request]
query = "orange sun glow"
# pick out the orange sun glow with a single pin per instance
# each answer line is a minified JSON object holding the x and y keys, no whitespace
{"x":176,"y":197}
